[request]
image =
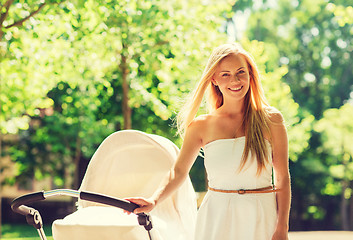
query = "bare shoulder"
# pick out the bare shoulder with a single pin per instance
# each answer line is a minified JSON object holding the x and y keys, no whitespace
{"x":201,"y":121}
{"x":275,"y":116}
{"x":277,"y":125}
{"x":279,"y":141}
{"x":199,"y":127}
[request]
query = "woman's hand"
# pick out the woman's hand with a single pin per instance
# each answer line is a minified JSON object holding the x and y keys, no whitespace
{"x":146,"y":205}
{"x":280,"y":234}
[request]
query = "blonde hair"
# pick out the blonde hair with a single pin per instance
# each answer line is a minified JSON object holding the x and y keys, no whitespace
{"x":256,"y":117}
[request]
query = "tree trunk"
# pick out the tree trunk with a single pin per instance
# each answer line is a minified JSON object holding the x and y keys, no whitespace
{"x":351,"y":209}
{"x":344,"y":208}
{"x":125,"y":84}
{"x":77,"y":163}
{"x":0,"y":211}
{"x":0,"y":186}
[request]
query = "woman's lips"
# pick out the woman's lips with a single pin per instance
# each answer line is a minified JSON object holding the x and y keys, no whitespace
{"x":236,"y":89}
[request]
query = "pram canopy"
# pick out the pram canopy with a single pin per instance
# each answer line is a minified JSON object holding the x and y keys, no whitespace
{"x":130,"y":163}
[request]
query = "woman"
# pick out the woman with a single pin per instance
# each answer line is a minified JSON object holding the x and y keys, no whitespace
{"x":243,"y":140}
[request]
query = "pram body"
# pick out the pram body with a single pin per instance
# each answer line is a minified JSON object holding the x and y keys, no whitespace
{"x":130,"y":163}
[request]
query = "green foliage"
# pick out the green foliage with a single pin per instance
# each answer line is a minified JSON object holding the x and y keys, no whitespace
{"x":315,"y":46}
{"x":337,"y":132}
{"x":75,"y":54}
{"x":58,"y":136}
{"x":343,"y":15}
{"x":21,"y":87}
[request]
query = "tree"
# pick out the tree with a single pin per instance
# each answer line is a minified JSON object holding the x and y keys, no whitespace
{"x":337,"y":132}
{"x":13,"y":15}
{"x":315,"y":45}
{"x":87,"y":53}
{"x":15,"y":92}
{"x":154,"y":37}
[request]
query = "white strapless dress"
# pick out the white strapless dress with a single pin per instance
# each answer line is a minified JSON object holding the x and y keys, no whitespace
{"x":231,"y":216}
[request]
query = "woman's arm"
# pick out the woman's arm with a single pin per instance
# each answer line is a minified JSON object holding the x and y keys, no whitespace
{"x":281,"y":175}
{"x":177,"y":175}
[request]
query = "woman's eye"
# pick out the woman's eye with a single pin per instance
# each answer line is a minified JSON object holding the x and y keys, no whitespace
{"x":241,"y":72}
{"x":225,"y":75}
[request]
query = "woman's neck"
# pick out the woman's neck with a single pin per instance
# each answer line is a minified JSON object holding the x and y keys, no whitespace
{"x":234,"y":108}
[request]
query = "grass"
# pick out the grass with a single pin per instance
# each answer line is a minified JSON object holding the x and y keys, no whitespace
{"x":23,"y":232}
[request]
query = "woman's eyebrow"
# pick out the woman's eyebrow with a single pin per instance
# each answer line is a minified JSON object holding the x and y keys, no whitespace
{"x":229,"y":71}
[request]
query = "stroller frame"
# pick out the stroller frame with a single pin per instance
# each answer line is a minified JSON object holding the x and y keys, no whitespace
{"x":34,"y":218}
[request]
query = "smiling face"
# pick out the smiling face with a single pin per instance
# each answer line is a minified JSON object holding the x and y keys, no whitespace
{"x":232,"y":77}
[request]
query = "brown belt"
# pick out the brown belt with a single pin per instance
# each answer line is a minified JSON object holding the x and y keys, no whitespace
{"x":268,"y":189}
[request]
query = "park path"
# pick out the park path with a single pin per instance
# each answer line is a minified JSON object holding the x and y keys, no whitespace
{"x":321,"y":235}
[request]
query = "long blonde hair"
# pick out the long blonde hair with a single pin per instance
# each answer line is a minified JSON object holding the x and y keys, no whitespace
{"x":256,"y":117}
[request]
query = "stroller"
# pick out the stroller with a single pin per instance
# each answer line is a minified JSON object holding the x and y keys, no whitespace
{"x":127,"y":163}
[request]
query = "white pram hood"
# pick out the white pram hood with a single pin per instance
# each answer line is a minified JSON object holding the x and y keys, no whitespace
{"x":130,"y":163}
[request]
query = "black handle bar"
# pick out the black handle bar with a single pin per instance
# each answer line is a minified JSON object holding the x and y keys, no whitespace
{"x":33,"y":216}
{"x":116,"y":202}
{"x":18,"y":205}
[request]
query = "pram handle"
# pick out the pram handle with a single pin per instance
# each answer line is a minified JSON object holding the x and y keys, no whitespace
{"x":33,"y":216}
{"x":116,"y":202}
{"x":18,"y":205}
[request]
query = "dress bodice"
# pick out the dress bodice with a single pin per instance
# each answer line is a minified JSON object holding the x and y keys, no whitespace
{"x":222,"y":162}
{"x":230,"y":216}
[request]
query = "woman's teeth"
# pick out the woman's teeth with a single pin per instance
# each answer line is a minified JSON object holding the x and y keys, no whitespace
{"x":236,"y":89}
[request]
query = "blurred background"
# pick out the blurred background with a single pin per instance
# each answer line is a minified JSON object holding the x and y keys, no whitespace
{"x":72,"y":72}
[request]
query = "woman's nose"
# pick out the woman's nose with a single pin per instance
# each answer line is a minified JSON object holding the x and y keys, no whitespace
{"x":235,"y":79}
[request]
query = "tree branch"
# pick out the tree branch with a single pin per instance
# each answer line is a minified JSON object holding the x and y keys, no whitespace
{"x":20,"y":22}
{"x":4,"y":15}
